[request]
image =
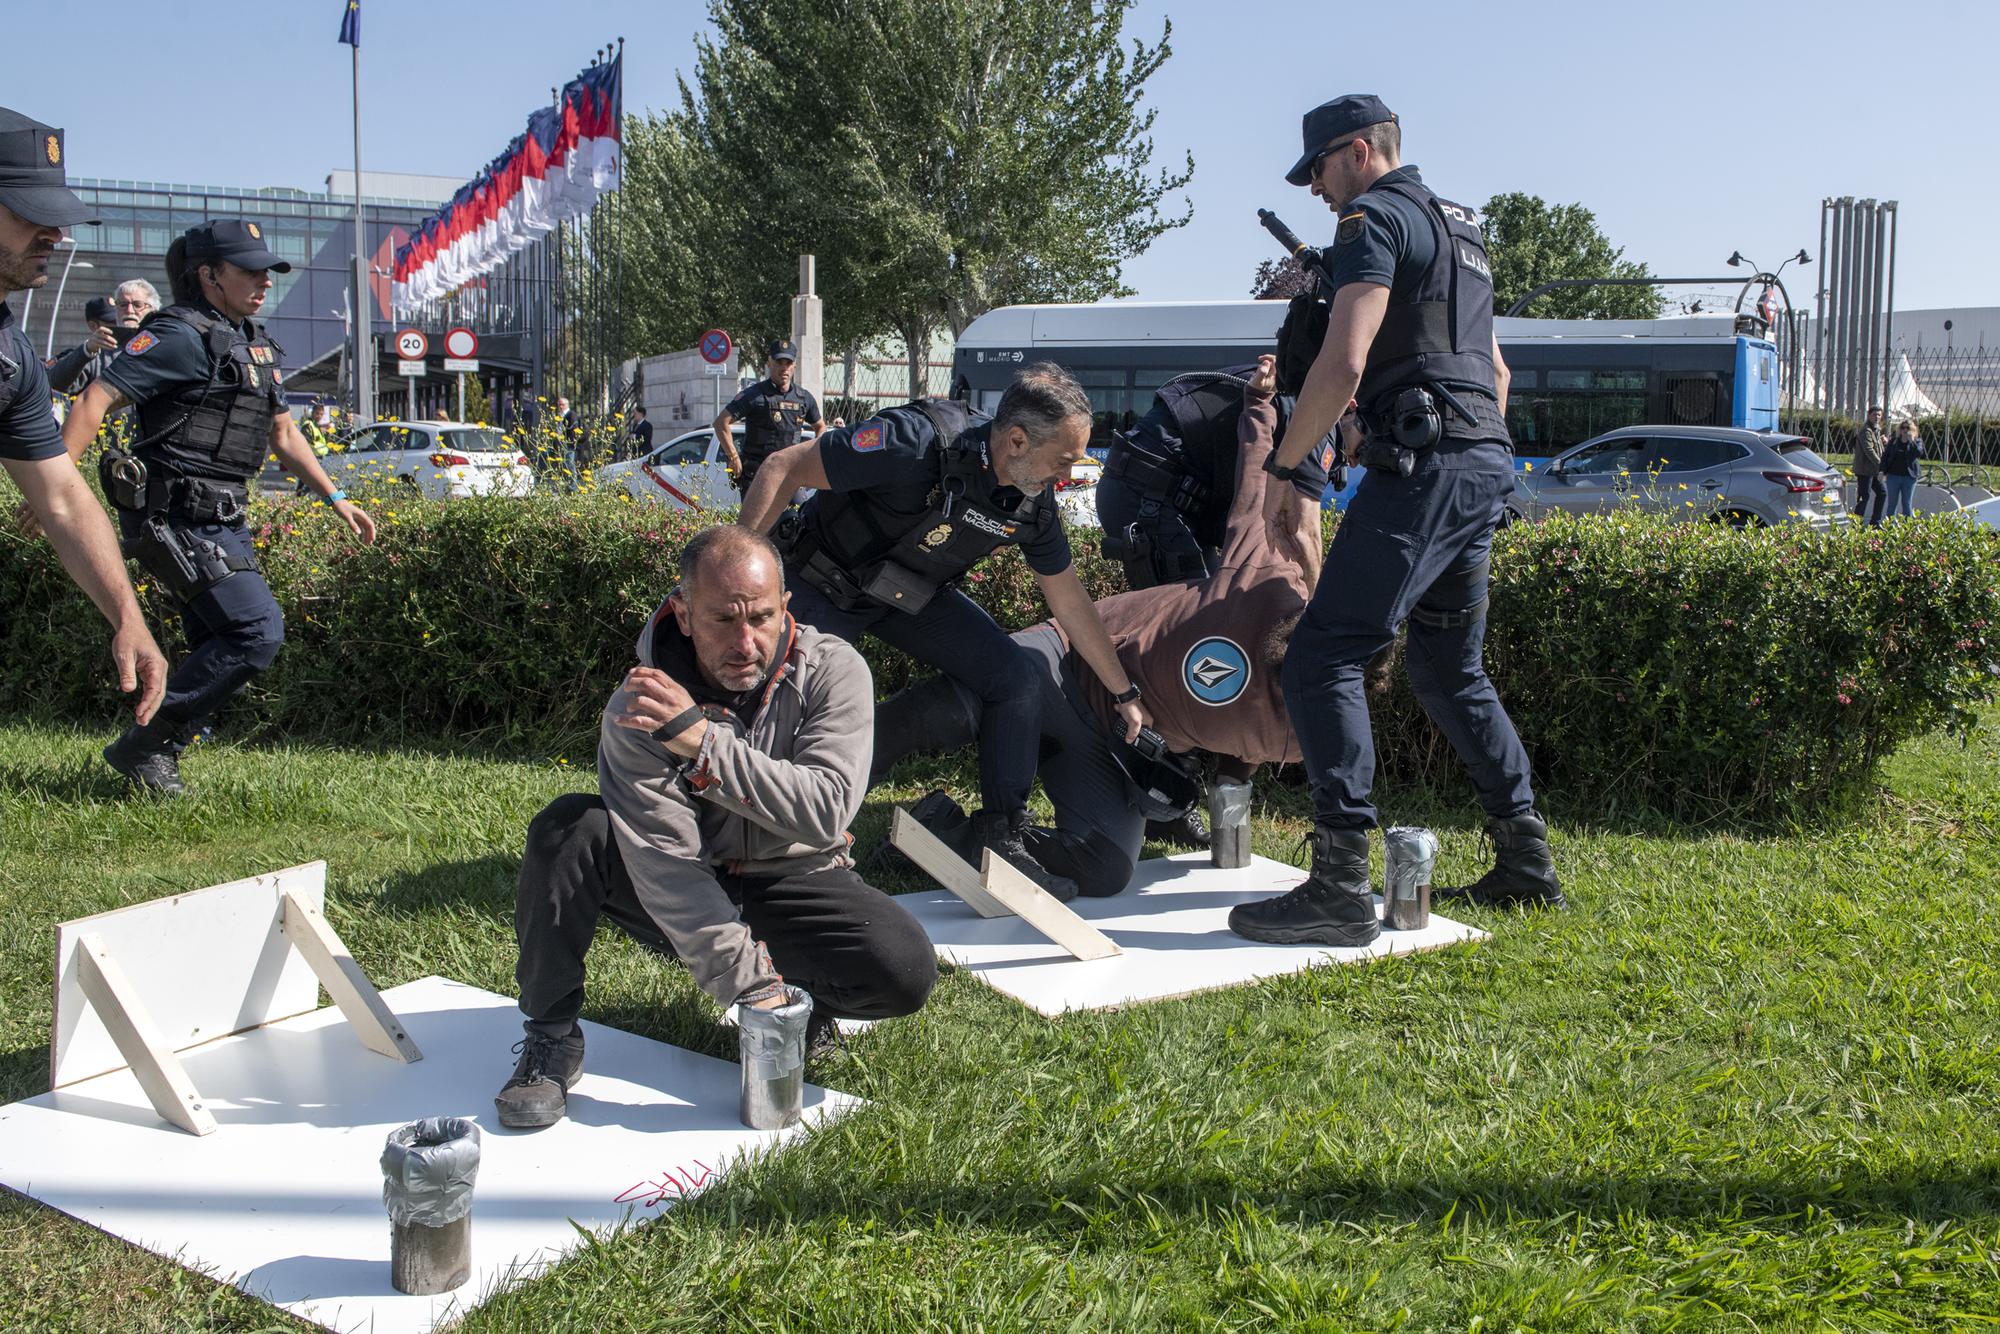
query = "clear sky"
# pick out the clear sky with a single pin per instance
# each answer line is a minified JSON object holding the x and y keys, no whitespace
{"x":1692,"y":127}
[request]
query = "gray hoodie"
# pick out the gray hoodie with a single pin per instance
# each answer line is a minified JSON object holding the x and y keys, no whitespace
{"x":773,"y":799}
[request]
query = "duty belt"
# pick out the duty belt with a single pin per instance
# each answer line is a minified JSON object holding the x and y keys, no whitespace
{"x":1158,"y":480}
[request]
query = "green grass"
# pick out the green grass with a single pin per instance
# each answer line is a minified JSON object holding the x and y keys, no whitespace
{"x":1749,"y":1082}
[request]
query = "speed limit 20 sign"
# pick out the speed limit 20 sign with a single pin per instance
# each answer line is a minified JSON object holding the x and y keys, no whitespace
{"x":411,"y":345}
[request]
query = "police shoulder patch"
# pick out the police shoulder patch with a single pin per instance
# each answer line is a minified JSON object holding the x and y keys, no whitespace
{"x":1216,"y":671}
{"x":866,"y":439}
{"x":140,"y":342}
{"x":1350,"y":228}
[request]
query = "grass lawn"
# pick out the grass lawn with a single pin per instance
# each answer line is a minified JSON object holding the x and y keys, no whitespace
{"x":1749,"y":1082}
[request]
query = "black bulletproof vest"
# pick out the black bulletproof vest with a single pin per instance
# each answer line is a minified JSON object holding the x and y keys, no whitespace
{"x":773,"y":422}
{"x":962,"y":524}
{"x":1438,"y":330}
{"x":219,"y":428}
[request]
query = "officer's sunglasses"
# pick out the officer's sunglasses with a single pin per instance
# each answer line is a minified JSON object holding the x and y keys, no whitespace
{"x":1328,"y":152}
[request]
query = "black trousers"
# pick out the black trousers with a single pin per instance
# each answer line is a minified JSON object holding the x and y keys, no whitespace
{"x":855,"y":949}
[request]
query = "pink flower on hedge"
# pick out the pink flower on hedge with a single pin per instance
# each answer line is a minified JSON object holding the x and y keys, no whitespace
{"x":1843,"y":699}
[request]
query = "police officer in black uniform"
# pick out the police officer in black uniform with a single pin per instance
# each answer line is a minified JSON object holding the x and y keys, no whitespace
{"x":203,"y":376}
{"x":1169,"y":481}
{"x":908,"y":502}
{"x":774,"y":412}
{"x":36,"y":204}
{"x":1410,"y":337}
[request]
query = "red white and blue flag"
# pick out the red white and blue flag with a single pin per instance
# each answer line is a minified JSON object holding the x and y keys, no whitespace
{"x":571,"y":153}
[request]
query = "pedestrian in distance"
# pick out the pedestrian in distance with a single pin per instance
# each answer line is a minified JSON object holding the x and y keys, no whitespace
{"x":1870,"y":494}
{"x":1410,"y":340}
{"x":1902,"y":465}
{"x":36,"y":205}
{"x":204,"y":377}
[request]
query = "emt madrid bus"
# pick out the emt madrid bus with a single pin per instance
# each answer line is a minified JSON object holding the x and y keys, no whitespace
{"x":1572,"y":379}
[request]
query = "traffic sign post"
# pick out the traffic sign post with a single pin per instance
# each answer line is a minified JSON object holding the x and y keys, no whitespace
{"x":411,"y":348}
{"x":412,"y":345}
{"x":461,"y":354}
{"x":716,"y":348}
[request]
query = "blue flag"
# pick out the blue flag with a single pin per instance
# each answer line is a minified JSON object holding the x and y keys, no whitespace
{"x":350,"y":24}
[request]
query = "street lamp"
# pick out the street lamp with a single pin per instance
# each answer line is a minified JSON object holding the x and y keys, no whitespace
{"x":55,"y":307}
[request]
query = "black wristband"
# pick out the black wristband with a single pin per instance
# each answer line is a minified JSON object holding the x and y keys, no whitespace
{"x":678,"y":724}
{"x":1282,"y":474}
{"x":1128,"y":696}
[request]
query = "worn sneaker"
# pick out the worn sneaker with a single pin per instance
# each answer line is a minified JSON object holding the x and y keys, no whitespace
{"x":548,"y":1070}
{"x":1332,"y":906}
{"x":148,"y":760}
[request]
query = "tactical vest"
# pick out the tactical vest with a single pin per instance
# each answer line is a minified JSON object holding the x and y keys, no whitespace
{"x":773,"y":424}
{"x":846,"y":550}
{"x":219,"y":428}
{"x":1439,"y":330}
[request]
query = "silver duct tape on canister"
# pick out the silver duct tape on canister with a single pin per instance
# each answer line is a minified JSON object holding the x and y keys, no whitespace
{"x":772,"y":1046}
{"x":428,"y":1171}
{"x":1410,"y":858}
{"x":1229,"y":824}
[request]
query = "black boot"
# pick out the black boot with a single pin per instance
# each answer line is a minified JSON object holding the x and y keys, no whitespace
{"x":548,"y":1069}
{"x":942,"y":816}
{"x":1524,"y":871}
{"x":929,"y":717}
{"x":1001,"y":831}
{"x":148,"y":757}
{"x":1334,"y":906}
{"x":1190,"y":830}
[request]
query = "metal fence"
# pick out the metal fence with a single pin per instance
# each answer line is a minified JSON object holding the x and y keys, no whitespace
{"x":1953,"y":394}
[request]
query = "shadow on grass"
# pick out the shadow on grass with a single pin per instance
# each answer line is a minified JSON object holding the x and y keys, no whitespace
{"x":485,"y":882}
{"x":88,"y":782}
{"x":24,"y":1072}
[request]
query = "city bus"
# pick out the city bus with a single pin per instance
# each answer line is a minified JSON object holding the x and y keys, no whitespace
{"x":1572,"y":379}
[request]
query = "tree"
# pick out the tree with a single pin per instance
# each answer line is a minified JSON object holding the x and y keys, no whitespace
{"x":1530,"y":243}
{"x":1280,"y":279}
{"x":940,"y":157}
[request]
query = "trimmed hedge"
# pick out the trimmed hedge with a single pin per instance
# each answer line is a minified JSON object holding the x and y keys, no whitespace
{"x":1690,"y":667}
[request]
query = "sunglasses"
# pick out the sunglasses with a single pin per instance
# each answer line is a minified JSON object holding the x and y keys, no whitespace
{"x":1328,"y":152}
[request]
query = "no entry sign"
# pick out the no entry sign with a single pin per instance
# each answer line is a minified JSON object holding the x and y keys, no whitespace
{"x":461,"y":343}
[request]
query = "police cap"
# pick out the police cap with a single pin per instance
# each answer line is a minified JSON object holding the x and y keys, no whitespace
{"x":1336,"y":120}
{"x":781,"y":349}
{"x":99,"y":310}
{"x":32,"y":184}
{"x":233,"y":239}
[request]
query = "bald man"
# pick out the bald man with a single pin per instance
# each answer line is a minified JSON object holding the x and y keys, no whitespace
{"x":731,"y":762}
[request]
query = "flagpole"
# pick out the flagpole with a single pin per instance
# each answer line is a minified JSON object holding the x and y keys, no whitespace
{"x":364,"y":303}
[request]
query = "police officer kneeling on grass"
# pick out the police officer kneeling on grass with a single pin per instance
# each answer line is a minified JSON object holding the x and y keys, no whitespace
{"x":908,"y":502}
{"x":1410,"y":338}
{"x":203,"y":377}
{"x":731,"y":763}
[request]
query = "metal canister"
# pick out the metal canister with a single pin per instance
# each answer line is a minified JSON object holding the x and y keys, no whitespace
{"x":428,"y":1171}
{"x":772,"y":1046}
{"x":1410,"y":857}
{"x":1229,"y":824}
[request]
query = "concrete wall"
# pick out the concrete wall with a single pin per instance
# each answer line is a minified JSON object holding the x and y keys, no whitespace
{"x":678,"y":393}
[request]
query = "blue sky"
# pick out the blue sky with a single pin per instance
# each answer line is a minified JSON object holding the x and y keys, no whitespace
{"x":1692,"y":128}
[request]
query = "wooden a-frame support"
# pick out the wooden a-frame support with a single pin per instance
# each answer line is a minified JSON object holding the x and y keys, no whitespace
{"x":998,"y":889}
{"x":152,"y":1058}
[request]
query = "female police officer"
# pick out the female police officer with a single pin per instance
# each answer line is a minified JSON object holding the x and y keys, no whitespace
{"x":203,"y":376}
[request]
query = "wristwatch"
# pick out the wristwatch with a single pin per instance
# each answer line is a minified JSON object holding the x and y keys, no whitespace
{"x":1281,"y":473}
{"x":1128,"y":696}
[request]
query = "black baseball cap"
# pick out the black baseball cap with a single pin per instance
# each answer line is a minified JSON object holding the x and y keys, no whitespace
{"x":32,"y":184}
{"x":99,"y":310}
{"x":1335,"y":120}
{"x":781,"y":349}
{"x":236,"y":240}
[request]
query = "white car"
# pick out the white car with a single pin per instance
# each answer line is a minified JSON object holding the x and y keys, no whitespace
{"x":686,"y":472}
{"x":442,"y":460}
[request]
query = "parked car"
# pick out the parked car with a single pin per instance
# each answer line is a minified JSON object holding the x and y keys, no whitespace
{"x":1720,"y":473}
{"x":686,"y":472}
{"x":442,"y":460}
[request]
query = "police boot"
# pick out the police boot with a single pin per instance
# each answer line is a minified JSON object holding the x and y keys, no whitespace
{"x":1188,"y":830}
{"x":942,"y":816}
{"x":1524,"y":871}
{"x":1002,"y":832}
{"x":1334,"y":905}
{"x":148,"y":758}
{"x":925,"y":718}
{"x":548,"y":1070}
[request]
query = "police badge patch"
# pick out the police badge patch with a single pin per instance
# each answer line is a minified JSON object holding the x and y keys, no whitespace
{"x":938,"y":536}
{"x":1350,"y":228}
{"x":263,"y":356}
{"x":52,"y":149}
{"x":140,"y":342}
{"x":255,"y":233}
{"x":866,"y":438}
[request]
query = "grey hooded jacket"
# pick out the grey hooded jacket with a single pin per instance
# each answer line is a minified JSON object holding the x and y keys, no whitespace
{"x":773,"y":799}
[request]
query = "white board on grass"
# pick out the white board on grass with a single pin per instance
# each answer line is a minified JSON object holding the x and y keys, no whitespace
{"x":287,"y":1202}
{"x":204,"y":964}
{"x":1172,"y":924}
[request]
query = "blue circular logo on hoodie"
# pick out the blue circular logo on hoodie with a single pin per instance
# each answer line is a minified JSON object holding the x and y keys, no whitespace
{"x":1216,"y":671}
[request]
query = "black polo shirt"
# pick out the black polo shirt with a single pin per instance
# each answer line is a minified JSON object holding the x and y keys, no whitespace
{"x":29,"y":431}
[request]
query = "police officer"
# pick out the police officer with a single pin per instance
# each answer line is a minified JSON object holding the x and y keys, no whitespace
{"x":1169,"y":481}
{"x":203,"y":376}
{"x":78,"y":368}
{"x":908,"y":502}
{"x":774,"y":412}
{"x":35,"y":206}
{"x":1410,"y":337}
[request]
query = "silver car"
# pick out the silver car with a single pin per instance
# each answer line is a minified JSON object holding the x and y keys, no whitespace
{"x":1722,"y":473}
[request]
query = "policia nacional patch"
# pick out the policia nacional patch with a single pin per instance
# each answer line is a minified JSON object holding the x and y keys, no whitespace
{"x":1350,"y":228}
